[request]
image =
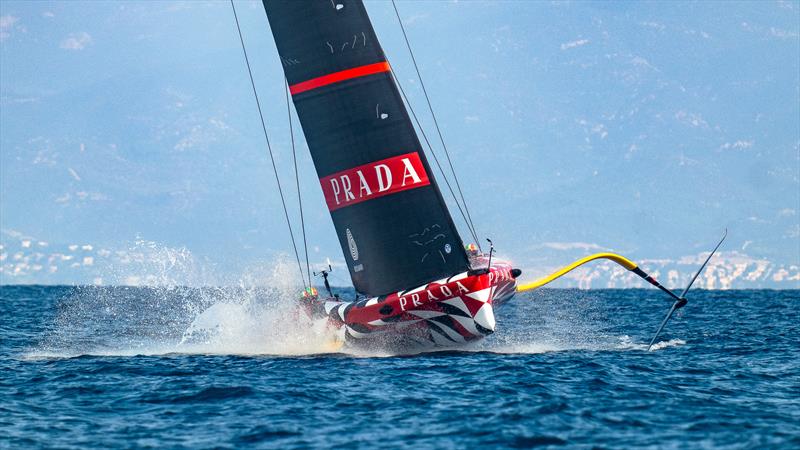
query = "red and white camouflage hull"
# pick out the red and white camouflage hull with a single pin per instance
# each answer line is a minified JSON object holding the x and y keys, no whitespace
{"x":444,"y":313}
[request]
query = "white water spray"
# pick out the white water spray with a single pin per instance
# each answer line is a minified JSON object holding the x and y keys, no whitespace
{"x":170,"y":309}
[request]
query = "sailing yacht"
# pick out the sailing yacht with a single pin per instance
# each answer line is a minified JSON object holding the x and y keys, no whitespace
{"x":402,"y":248}
{"x":417,"y":285}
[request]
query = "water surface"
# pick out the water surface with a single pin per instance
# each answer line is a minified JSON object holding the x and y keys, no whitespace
{"x":191,"y":368}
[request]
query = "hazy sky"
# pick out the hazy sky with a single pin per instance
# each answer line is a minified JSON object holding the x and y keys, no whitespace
{"x":128,"y":131}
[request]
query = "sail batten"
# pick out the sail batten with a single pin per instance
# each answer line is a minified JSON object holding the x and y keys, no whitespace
{"x":390,"y":217}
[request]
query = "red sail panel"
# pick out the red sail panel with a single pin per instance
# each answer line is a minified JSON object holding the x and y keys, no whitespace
{"x":342,"y":75}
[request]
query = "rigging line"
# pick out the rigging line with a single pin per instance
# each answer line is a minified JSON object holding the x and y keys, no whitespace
{"x":297,"y":182}
{"x":435,"y":122}
{"x":435,"y":158}
{"x":269,"y":147}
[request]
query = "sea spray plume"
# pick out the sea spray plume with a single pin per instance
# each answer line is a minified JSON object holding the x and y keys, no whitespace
{"x":122,"y":318}
{"x":259,"y":316}
{"x":117,"y":320}
{"x":180,"y":310}
{"x":148,"y":263}
{"x":149,"y":298}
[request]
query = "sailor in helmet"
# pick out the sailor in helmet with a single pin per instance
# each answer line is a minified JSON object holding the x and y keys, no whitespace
{"x":310,"y":293}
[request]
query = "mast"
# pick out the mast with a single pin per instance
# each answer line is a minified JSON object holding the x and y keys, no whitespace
{"x":392,"y":222}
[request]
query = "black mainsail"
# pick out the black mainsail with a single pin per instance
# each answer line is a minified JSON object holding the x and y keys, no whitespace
{"x":393,"y":224}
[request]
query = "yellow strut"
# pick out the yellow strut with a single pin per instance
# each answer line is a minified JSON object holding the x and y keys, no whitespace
{"x":621,"y":260}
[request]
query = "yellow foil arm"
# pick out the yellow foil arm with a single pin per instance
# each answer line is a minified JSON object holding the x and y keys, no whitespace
{"x":621,"y":260}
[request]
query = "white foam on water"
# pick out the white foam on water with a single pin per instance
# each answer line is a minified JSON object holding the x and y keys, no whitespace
{"x":666,"y":344}
{"x":625,"y":343}
{"x":530,"y":348}
{"x":547,"y":345}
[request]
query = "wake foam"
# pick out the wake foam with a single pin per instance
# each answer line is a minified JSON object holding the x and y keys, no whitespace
{"x":666,"y":344}
{"x":625,"y":343}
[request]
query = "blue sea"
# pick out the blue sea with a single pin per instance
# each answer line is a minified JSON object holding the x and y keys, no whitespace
{"x":91,"y":367}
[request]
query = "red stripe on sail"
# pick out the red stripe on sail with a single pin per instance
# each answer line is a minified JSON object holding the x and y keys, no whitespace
{"x":348,"y":74}
{"x":373,"y":180}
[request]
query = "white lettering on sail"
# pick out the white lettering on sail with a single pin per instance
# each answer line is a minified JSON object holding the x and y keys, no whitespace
{"x":375,"y":179}
{"x":384,"y":175}
{"x":363,"y":186}
{"x":346,"y":188}
{"x":409,"y":172}
{"x":335,"y":188}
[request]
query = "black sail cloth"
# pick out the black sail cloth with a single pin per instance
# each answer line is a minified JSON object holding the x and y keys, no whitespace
{"x":393,"y":225}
